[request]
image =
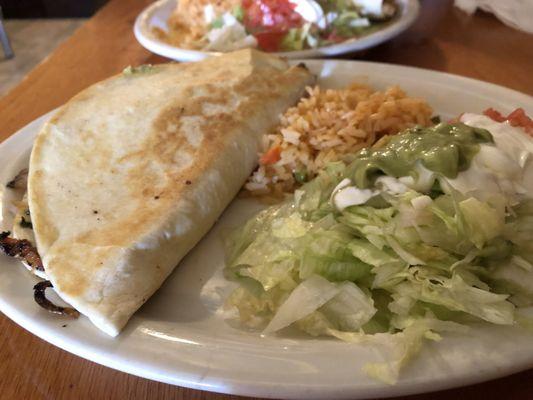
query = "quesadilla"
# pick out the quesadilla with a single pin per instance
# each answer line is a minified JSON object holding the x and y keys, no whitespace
{"x":132,"y":172}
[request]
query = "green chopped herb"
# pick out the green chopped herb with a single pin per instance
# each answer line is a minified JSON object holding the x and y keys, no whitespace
{"x":217,"y":23}
{"x":25,"y":224}
{"x":300,"y":176}
{"x":141,"y":69}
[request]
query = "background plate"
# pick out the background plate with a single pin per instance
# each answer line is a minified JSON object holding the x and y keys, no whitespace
{"x":156,"y":15}
{"x":180,"y":336}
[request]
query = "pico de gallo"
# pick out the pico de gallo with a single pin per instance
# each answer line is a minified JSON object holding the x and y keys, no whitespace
{"x":276,"y":25}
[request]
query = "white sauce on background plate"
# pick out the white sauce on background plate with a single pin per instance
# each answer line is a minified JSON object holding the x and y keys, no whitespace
{"x":311,"y":12}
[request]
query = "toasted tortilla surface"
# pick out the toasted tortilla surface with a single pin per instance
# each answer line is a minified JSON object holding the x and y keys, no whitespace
{"x":130,"y":174}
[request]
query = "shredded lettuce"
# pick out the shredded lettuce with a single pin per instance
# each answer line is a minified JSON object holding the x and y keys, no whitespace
{"x":238,"y":13}
{"x":227,"y":33}
{"x":406,"y":344}
{"x":398,"y":269}
{"x":296,"y":38}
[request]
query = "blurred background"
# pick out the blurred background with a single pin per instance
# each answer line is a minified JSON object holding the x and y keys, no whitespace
{"x":27,"y":9}
{"x":35,"y":28}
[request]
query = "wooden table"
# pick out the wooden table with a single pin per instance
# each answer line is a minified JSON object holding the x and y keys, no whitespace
{"x":442,"y":39}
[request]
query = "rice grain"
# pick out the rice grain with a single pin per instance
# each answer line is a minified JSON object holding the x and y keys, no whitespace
{"x":330,"y":125}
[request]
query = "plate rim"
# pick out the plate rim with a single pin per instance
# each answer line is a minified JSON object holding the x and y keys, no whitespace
{"x":410,"y":12}
{"x":255,"y":389}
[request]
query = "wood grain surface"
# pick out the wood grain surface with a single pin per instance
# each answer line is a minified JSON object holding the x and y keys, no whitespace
{"x":442,"y":39}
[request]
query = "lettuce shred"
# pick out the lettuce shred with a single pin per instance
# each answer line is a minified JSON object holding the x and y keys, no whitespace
{"x":402,"y":270}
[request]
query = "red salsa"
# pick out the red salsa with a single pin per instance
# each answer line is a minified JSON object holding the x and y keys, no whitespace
{"x":270,"y":20}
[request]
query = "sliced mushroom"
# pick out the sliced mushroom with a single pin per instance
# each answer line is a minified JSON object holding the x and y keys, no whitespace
{"x":20,"y":181}
{"x":40,"y":298}
{"x":21,"y":248}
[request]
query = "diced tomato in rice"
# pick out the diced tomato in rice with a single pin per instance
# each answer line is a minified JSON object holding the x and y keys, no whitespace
{"x":272,"y":156}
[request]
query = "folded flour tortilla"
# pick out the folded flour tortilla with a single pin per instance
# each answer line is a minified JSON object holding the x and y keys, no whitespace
{"x":130,"y":174}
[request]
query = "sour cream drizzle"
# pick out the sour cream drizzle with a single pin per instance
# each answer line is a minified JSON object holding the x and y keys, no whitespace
{"x":504,"y":168}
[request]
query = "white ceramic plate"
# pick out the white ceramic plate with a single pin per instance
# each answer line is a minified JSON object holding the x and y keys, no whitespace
{"x":180,"y":336}
{"x":156,"y":15}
